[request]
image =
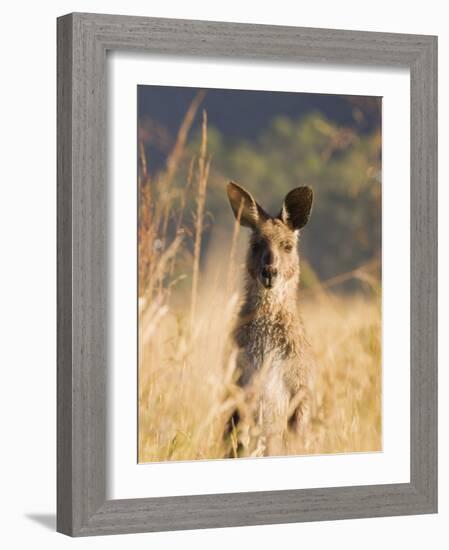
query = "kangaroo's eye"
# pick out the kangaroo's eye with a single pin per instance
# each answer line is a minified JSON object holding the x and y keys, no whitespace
{"x":288,"y":247}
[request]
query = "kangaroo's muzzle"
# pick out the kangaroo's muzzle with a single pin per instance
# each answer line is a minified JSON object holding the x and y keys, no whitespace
{"x":268,"y":276}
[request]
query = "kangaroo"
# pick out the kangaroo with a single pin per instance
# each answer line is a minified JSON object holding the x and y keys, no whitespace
{"x":274,"y":359}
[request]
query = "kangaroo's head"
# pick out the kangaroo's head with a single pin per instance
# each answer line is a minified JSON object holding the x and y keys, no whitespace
{"x":272,"y":257}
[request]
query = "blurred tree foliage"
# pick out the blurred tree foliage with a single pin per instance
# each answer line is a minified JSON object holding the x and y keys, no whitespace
{"x":341,"y":164}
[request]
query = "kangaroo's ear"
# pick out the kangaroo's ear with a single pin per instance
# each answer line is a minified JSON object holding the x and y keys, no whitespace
{"x":243,"y":205}
{"x":297,"y":206}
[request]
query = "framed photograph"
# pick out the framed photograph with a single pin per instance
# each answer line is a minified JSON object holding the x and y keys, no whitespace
{"x":247,"y":274}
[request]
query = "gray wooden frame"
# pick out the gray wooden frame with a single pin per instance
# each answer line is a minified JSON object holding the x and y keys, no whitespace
{"x":83,"y":40}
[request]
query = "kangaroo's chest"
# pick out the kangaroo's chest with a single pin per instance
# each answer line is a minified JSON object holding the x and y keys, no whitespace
{"x":263,"y":359}
{"x":267,"y":341}
{"x":262,"y":339}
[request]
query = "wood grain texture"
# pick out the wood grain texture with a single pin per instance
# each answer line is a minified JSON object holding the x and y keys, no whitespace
{"x":64,"y":277}
{"x":423,"y":274}
{"x":83,"y":40}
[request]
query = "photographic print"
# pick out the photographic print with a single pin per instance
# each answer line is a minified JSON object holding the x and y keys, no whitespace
{"x":259,"y":273}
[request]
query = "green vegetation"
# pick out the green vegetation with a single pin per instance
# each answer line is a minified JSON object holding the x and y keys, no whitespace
{"x":342,"y":166}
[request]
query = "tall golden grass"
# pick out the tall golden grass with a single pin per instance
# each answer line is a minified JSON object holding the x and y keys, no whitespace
{"x":187,"y":307}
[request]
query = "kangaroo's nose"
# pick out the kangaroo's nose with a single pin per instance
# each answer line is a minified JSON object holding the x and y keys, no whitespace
{"x":269,"y":272}
{"x":268,"y":276}
{"x":268,"y":258}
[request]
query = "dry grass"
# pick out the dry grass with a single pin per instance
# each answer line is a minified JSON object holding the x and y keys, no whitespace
{"x":184,"y":381}
{"x":187,"y":307}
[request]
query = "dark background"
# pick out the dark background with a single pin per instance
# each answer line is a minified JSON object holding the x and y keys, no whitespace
{"x":270,"y":142}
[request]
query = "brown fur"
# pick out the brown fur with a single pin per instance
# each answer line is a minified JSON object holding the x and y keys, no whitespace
{"x":274,"y":358}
